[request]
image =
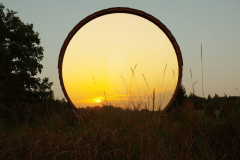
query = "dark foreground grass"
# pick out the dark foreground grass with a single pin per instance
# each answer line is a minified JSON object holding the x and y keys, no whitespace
{"x":117,"y":134}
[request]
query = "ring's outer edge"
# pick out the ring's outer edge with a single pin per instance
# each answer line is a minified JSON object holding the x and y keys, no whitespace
{"x":121,"y":10}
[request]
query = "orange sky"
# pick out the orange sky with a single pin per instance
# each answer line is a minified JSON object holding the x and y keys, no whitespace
{"x":99,"y":60}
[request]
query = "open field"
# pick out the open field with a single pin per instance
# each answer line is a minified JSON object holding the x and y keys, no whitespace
{"x":131,"y":68}
{"x":41,"y":132}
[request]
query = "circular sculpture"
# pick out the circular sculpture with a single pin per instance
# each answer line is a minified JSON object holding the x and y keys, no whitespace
{"x":120,"y":55}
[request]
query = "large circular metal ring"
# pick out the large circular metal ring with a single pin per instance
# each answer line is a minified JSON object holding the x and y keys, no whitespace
{"x":129,"y":11}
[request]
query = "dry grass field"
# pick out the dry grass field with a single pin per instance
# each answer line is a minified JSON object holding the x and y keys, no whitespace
{"x":42,"y":132}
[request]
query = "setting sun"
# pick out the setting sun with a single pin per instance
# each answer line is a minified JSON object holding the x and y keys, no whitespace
{"x":103,"y":55}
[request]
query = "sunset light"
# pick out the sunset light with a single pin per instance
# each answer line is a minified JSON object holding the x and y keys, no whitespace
{"x":90,"y":79}
{"x":123,"y":58}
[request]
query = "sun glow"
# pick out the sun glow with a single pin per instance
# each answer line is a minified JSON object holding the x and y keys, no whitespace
{"x":120,"y":59}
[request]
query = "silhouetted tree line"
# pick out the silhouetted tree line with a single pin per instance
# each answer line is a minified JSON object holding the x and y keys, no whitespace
{"x":209,"y":105}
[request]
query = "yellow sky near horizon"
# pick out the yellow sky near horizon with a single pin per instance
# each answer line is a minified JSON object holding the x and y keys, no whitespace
{"x":99,"y":62}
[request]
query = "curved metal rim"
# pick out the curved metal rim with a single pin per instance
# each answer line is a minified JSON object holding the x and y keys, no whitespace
{"x":121,"y":10}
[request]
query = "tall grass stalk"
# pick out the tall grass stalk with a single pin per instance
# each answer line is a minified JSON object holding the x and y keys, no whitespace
{"x":162,"y":87}
{"x":202,"y":71}
{"x":149,"y":93}
{"x":126,"y":136}
{"x":139,"y":102}
{"x":192,"y":82}
{"x":153,"y":99}
{"x":238,"y":91}
{"x":166,"y":90}
{"x":174,"y":78}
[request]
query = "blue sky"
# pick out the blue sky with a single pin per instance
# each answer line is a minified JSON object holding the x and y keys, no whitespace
{"x":215,"y":24}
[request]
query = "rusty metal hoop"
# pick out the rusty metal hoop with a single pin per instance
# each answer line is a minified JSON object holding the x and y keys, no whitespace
{"x":129,"y":11}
